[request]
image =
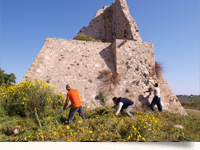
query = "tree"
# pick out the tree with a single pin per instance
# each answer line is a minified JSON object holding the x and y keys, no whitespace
{"x":8,"y":79}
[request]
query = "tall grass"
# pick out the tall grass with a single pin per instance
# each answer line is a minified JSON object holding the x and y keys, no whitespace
{"x":101,"y":124}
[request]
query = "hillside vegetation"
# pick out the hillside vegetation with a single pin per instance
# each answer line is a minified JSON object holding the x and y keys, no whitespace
{"x":190,"y":102}
{"x":32,"y":108}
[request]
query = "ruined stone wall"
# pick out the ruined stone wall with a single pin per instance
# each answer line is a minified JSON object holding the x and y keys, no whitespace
{"x":96,"y":27}
{"x":124,"y":67}
{"x":62,"y":61}
{"x":113,"y":22}
{"x":79,"y":63}
{"x":123,"y":25}
{"x":135,"y":63}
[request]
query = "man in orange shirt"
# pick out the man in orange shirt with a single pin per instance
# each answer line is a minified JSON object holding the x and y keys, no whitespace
{"x":76,"y":103}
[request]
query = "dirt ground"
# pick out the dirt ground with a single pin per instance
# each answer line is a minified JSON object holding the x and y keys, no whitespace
{"x":194,"y":110}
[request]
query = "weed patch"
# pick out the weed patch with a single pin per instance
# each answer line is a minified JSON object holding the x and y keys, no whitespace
{"x":101,"y":124}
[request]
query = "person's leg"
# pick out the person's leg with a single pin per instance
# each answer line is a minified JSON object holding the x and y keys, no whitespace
{"x":80,"y":111}
{"x":154,"y":101}
{"x":129,"y":108}
{"x":159,"y":104}
{"x":71,"y":114}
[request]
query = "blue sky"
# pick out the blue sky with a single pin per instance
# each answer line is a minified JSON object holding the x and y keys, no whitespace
{"x":172,"y":25}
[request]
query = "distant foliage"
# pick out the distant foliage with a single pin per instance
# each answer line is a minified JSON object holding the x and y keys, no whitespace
{"x":190,"y":102}
{"x":8,"y":79}
{"x":84,"y":37}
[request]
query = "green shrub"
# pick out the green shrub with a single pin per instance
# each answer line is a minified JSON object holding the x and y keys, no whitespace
{"x":102,"y":96}
{"x":84,"y":37}
{"x":23,"y":98}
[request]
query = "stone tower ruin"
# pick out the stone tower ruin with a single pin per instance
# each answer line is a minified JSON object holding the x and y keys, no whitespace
{"x":121,"y":66}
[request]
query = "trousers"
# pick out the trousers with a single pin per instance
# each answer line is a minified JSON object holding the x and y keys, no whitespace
{"x":73,"y":111}
{"x":156,"y":101}
{"x":128,"y":109}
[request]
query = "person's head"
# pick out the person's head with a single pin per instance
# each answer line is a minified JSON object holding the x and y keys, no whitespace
{"x":156,"y":85}
{"x":115,"y":100}
{"x":68,"y":87}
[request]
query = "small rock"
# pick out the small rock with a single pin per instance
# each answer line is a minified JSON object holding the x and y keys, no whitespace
{"x":16,"y":129}
{"x":146,"y":74}
{"x":148,"y":124}
{"x":179,"y":126}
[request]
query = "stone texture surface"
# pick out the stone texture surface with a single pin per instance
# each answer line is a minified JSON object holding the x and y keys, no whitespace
{"x":135,"y":63}
{"x":113,"y":22}
{"x":122,"y":67}
{"x":76,"y":62}
{"x":79,"y":63}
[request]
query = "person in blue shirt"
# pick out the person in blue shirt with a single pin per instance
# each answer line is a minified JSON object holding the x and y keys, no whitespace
{"x":124,"y":103}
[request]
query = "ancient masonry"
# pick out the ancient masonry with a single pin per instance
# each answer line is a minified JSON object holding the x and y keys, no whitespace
{"x":121,"y":66}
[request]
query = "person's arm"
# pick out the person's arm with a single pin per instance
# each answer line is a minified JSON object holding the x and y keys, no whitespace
{"x":66,"y":104}
{"x":67,"y":101}
{"x":120,"y":104}
{"x":149,"y":90}
{"x":114,"y":106}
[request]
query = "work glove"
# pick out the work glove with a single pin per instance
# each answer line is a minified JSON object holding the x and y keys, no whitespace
{"x":62,"y":111}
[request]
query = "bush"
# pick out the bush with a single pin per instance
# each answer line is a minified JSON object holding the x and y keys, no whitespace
{"x":84,"y":37}
{"x":109,"y":80}
{"x":158,"y":69}
{"x":23,"y":98}
{"x":102,"y":96}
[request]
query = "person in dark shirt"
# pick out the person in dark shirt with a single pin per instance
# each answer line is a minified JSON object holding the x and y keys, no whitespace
{"x":124,"y":103}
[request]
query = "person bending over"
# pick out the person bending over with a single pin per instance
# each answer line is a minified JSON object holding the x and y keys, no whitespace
{"x":124,"y":103}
